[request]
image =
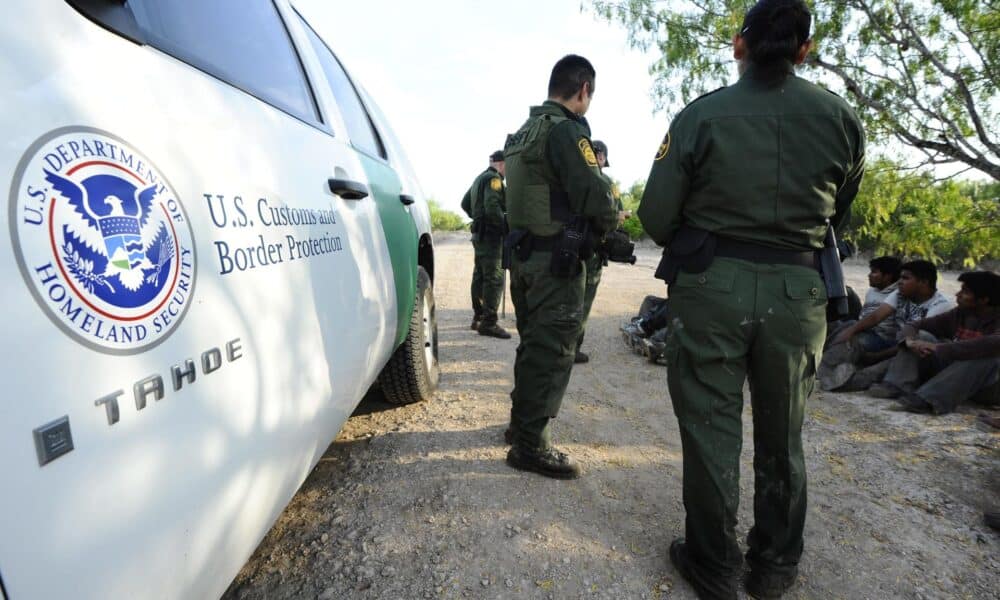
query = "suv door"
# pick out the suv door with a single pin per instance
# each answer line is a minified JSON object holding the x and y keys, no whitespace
{"x":400,"y":232}
{"x":207,"y":217}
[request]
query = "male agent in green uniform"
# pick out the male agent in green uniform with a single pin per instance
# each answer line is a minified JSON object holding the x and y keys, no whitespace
{"x":558,"y":204}
{"x":486,"y":205}
{"x":596,"y":263}
{"x":741,"y":191}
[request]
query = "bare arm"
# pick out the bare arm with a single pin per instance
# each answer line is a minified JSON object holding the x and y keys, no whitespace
{"x":881,"y":313}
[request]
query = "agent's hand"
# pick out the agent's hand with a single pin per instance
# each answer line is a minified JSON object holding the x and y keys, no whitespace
{"x":622,"y":215}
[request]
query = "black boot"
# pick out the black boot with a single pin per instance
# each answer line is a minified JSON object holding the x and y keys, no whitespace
{"x":580,"y":358}
{"x":768,"y":585}
{"x":549,"y":462}
{"x":493,"y":330}
{"x":475,"y":323}
{"x":704,"y":587}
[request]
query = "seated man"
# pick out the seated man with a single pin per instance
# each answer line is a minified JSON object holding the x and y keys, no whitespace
{"x":951,"y":357}
{"x":646,"y":334}
{"x":883,"y":279}
{"x":873,"y":339}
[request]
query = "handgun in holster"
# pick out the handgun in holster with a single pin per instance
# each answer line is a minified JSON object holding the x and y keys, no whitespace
{"x":517,"y":241}
{"x":572,"y":247}
{"x":832,"y":271}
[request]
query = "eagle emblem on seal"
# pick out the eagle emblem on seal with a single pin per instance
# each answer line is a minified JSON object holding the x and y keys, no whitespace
{"x":109,"y":236}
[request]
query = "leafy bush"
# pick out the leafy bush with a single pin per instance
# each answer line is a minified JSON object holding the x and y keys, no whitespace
{"x":630,"y":201}
{"x":444,"y":220}
{"x":913,"y":214}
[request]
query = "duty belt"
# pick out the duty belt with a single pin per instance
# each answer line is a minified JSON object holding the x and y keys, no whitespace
{"x":544,"y":244}
{"x":757,"y":253}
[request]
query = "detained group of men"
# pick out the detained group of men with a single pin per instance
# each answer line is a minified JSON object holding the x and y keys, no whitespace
{"x":741,"y":194}
{"x":911,"y":343}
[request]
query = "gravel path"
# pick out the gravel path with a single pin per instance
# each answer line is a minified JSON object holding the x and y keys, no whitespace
{"x":416,"y":502}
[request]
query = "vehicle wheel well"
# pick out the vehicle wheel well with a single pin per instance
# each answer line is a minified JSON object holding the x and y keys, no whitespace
{"x":425,"y":254}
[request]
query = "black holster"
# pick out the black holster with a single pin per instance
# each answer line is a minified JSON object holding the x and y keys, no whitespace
{"x":572,"y":247}
{"x":517,"y":241}
{"x":691,"y":250}
{"x":832,"y":271}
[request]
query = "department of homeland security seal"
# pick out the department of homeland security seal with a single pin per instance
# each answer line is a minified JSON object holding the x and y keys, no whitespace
{"x":102,"y":240}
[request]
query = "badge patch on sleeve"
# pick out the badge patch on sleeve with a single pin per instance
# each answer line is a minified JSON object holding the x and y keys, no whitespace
{"x":664,"y":147}
{"x":495,"y":184}
{"x":587,"y":151}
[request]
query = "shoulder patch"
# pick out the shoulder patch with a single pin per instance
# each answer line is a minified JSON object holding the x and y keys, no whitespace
{"x":587,"y":151}
{"x":664,"y":147}
{"x":495,"y":184}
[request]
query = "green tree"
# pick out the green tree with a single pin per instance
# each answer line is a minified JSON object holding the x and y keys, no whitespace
{"x":925,"y":73}
{"x":630,"y":201}
{"x":444,"y":220}
{"x":911,"y":214}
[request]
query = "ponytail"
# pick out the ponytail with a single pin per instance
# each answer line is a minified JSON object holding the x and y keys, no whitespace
{"x":774,"y":30}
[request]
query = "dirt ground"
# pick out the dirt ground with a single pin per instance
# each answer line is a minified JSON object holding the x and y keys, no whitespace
{"x":417,"y":502}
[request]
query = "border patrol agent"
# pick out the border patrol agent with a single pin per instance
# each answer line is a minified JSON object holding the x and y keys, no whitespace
{"x":558,"y":203}
{"x":597,"y":262}
{"x":741,"y":191}
{"x":485,"y":203}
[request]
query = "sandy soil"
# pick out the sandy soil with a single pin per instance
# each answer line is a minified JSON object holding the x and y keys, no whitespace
{"x":416,"y":502}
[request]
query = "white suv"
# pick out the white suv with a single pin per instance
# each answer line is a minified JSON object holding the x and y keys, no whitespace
{"x":215,"y":248}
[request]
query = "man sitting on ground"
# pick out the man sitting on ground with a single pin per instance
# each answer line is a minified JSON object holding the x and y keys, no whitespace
{"x":951,"y":357}
{"x":883,"y":277}
{"x":873,"y":339}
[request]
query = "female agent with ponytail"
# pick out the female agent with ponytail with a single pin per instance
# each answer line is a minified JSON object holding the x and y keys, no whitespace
{"x":741,"y":192}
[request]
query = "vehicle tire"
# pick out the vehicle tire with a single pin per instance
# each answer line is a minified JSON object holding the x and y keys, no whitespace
{"x":412,"y":374}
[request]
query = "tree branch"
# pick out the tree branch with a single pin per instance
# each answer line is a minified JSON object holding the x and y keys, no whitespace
{"x":963,"y":87}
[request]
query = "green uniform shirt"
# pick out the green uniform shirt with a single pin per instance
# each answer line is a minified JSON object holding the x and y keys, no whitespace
{"x":574,"y":166}
{"x":758,"y":163}
{"x":486,"y":198}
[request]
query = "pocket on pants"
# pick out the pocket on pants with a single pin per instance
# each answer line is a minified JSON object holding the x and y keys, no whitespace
{"x":719,"y":277}
{"x":805,"y":297}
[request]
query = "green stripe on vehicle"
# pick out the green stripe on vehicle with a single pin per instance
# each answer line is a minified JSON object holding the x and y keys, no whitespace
{"x":400,"y":237}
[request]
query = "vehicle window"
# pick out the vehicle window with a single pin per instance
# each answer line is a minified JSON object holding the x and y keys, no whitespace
{"x":397,"y":156}
{"x":243,"y":42}
{"x":356,"y":119}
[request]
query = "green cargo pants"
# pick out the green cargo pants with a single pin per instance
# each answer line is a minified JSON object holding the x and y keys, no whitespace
{"x":595,"y":264}
{"x":487,"y":278}
{"x":548,"y":311}
{"x":738,"y":320}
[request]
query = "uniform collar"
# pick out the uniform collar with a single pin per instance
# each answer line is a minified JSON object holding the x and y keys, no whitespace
{"x":549,"y":105}
{"x":755,"y":74}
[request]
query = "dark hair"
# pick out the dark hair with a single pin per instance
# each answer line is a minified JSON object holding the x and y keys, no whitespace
{"x":983,"y":284}
{"x":890,"y":265}
{"x":773,"y":31}
{"x":569,"y":75}
{"x":923,"y":270}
